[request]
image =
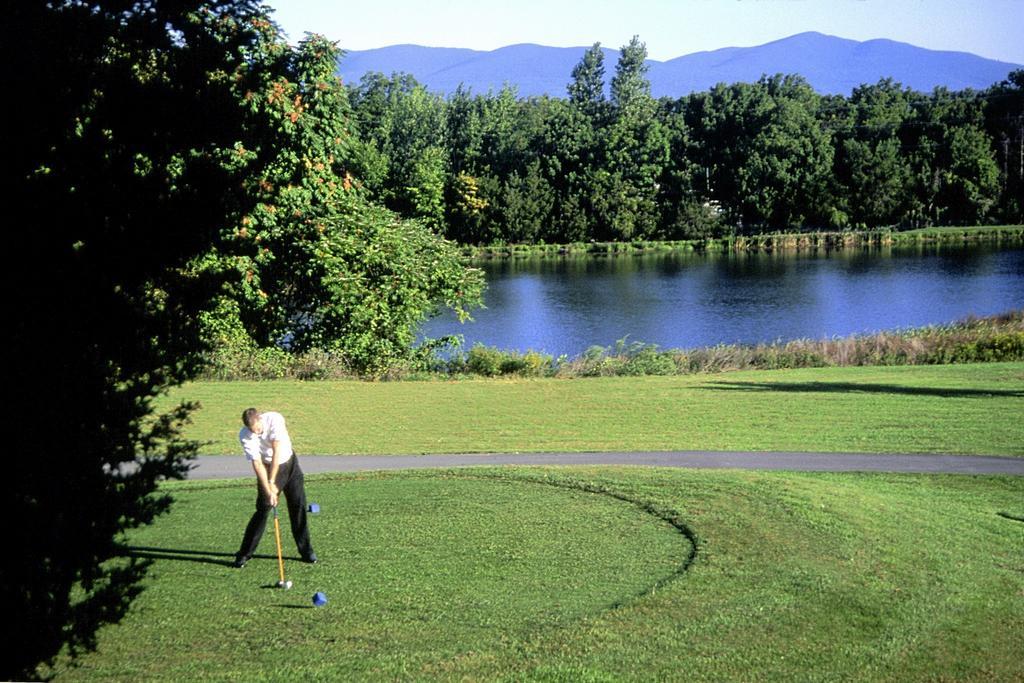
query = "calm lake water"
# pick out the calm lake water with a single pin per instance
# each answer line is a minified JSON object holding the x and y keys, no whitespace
{"x":685,"y":300}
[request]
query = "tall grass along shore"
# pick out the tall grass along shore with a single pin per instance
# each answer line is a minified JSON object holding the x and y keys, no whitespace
{"x":797,"y":241}
{"x":997,"y":338}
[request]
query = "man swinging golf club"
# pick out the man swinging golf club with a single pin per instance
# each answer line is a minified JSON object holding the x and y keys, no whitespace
{"x":268,"y":447}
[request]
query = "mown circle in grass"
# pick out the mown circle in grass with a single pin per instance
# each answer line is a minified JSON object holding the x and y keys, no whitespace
{"x":504,"y":554}
{"x":500,"y":555}
{"x":414,"y":566}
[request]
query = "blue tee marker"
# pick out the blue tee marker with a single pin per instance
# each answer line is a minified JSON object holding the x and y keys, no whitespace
{"x":319,"y":599}
{"x":314,"y":508}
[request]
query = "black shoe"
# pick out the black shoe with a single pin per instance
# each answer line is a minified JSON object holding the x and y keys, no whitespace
{"x":240,"y":561}
{"x":310,"y":559}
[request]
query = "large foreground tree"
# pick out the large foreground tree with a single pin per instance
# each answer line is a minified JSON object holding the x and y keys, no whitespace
{"x":119,"y":169}
{"x":164,"y":159}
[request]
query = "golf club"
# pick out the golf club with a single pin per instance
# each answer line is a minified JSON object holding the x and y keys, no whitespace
{"x":280,"y":558}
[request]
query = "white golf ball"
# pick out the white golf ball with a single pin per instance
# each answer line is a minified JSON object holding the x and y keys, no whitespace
{"x":287,"y":585}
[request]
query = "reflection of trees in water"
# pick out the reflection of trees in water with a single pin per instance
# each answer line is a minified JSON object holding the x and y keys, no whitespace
{"x":686,"y":299}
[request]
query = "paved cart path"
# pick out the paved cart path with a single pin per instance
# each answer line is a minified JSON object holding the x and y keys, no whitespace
{"x":227,"y":467}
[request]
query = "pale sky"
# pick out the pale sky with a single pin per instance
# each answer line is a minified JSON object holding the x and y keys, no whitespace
{"x":670,"y":28}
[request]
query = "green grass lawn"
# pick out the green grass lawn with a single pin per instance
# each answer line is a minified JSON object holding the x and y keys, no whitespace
{"x":588,"y":574}
{"x":971,"y":409}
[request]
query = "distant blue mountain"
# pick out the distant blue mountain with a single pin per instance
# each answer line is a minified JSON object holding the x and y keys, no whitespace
{"x":831,"y":65}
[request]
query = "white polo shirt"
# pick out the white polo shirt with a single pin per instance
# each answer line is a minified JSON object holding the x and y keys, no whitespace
{"x":261,"y":445}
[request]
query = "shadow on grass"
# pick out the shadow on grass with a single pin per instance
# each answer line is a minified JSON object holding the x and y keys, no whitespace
{"x":855,"y":387}
{"x":201,"y":556}
{"x":274,"y":586}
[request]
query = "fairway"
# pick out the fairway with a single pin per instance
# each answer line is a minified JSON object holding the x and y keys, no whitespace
{"x":588,"y":574}
{"x":964,"y":409}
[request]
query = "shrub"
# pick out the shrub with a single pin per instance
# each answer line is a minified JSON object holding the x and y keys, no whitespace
{"x":491,"y":362}
{"x":536,"y":364}
{"x":649,"y":361}
{"x":595,"y":362}
{"x":484,"y":360}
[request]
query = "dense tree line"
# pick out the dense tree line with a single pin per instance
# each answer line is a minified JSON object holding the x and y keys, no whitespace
{"x":610,"y":162}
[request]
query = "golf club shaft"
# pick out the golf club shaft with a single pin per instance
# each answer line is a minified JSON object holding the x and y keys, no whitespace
{"x":277,"y":536}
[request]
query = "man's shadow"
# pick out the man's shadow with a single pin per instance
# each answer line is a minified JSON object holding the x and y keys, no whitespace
{"x":201,"y":556}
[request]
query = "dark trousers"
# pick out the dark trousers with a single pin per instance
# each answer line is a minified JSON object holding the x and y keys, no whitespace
{"x":291,"y":483}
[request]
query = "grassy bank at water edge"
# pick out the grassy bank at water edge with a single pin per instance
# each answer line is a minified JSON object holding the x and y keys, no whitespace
{"x":825,"y":239}
{"x":997,"y":338}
